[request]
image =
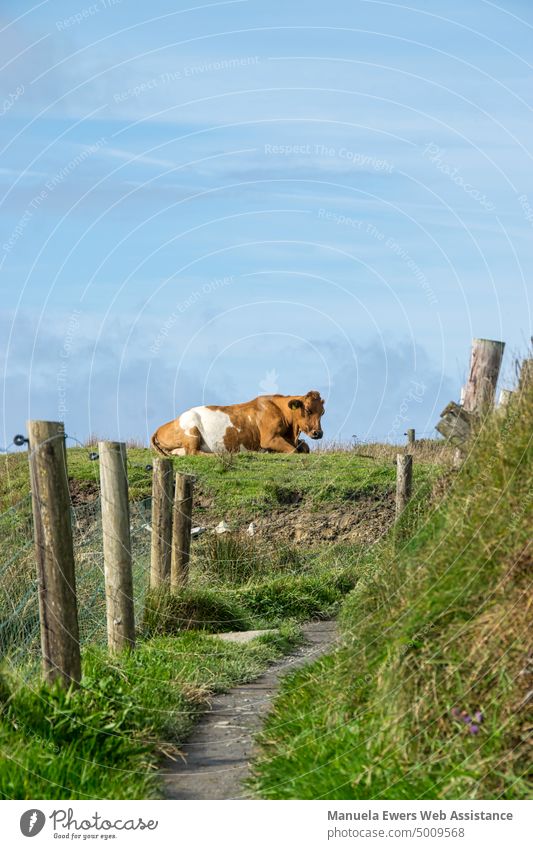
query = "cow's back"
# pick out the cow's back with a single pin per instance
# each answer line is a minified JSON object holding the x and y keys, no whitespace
{"x":211,"y":423}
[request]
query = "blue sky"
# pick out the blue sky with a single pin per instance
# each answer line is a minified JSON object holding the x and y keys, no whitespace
{"x":202,"y":202}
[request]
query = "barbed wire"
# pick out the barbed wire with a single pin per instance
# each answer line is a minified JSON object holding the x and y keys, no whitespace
{"x":372,"y":436}
{"x":15,"y":506}
{"x":94,"y":455}
{"x":19,"y":440}
{"x":19,"y":601}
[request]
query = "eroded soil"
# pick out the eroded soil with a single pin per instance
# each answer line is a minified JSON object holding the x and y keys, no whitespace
{"x":360,"y":518}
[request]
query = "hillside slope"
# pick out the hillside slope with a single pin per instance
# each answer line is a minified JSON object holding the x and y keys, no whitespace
{"x":429,"y":696}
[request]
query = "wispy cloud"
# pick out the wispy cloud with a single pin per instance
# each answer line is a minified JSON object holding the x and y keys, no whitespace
{"x":133,"y":158}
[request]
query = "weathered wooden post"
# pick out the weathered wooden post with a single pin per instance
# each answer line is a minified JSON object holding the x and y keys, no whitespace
{"x":455,"y":424}
{"x":404,"y":480}
{"x":117,"y":546}
{"x":162,"y":491}
{"x":458,"y":421}
{"x":54,"y":553}
{"x":181,"y":532}
{"x":485,"y":363}
{"x":410,"y":435}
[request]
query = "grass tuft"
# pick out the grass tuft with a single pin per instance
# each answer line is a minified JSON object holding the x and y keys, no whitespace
{"x":192,"y":609}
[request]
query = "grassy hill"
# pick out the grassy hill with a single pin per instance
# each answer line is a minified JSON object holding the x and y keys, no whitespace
{"x":429,"y":695}
{"x":241,"y":482}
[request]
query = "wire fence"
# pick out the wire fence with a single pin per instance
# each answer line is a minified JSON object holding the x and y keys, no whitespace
{"x":217,"y":559}
{"x":235,"y":559}
{"x":19,"y":598}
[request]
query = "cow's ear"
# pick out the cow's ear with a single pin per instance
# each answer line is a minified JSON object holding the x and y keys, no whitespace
{"x":294,"y":403}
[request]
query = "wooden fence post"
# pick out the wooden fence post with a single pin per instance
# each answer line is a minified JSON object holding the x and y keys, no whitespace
{"x":404,"y":478}
{"x":485,"y":363}
{"x":181,"y":532}
{"x":54,"y":553}
{"x":410,"y":435}
{"x":162,"y":492}
{"x":455,"y":424}
{"x":117,"y":546}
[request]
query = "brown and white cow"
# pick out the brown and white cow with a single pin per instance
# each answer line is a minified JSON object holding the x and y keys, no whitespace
{"x":269,"y":422}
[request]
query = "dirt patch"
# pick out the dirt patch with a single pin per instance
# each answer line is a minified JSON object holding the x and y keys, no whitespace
{"x":82,"y":492}
{"x":360,"y":519}
{"x":287,"y":496}
{"x":360,"y":522}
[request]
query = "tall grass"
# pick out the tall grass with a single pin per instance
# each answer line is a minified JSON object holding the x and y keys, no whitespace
{"x":428,"y":696}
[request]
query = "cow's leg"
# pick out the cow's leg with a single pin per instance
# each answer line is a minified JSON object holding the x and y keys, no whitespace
{"x":191,"y":441}
{"x":279,"y":444}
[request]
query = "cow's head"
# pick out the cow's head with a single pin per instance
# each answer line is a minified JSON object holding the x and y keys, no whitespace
{"x":308,"y":410}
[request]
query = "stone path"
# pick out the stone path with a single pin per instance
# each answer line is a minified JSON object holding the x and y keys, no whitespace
{"x":220,"y":748}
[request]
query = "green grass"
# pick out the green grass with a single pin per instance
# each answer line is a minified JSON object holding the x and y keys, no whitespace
{"x":232,"y":575}
{"x":105,"y":739}
{"x":237,"y":584}
{"x":246,"y":480}
{"x":264,"y":604}
{"x":436,"y":625}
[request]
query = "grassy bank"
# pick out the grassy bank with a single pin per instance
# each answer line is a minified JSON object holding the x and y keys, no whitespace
{"x":105,"y":739}
{"x":427,"y":698}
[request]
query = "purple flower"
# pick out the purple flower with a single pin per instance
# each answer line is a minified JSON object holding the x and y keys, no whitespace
{"x":473,"y":728}
{"x":478,"y":716}
{"x":465,"y":716}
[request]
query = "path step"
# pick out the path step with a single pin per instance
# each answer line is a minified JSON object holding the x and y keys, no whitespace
{"x":244,"y":636}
